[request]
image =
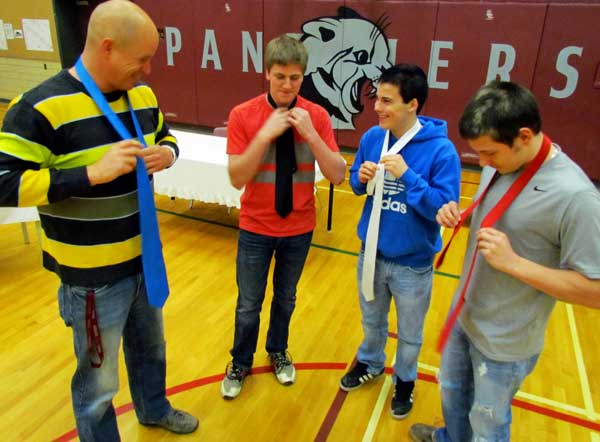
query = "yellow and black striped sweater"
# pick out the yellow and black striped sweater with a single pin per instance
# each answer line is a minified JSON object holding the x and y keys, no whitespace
{"x":91,"y":234}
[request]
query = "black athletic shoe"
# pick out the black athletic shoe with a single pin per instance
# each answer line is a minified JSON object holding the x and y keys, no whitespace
{"x":357,"y":376}
{"x":402,"y":401}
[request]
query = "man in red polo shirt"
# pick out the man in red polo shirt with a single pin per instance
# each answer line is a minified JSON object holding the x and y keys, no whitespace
{"x":273,"y":141}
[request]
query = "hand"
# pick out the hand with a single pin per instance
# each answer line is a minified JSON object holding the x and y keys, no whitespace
{"x":300,"y":119}
{"x":495,"y":247}
{"x":448,"y":215}
{"x":367,"y":171}
{"x":395,"y":164}
{"x":276,"y":124}
{"x":118,"y":160}
{"x":157,"y":158}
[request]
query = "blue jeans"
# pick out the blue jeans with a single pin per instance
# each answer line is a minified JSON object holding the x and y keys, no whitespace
{"x":477,"y":392}
{"x":253,"y":261}
{"x":410,"y":287}
{"x":122,"y":310}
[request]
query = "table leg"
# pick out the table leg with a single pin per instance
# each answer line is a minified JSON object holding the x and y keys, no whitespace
{"x":330,"y":207}
{"x":25,"y":234}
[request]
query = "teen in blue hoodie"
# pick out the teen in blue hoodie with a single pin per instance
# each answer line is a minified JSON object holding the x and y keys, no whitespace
{"x":422,"y":173}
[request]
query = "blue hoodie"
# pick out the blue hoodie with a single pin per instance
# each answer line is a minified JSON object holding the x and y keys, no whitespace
{"x":408,"y":232}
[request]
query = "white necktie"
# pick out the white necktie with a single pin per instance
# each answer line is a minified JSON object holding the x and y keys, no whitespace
{"x":375,"y":188}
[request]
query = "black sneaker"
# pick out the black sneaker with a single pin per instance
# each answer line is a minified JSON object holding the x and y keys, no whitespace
{"x":357,"y":376}
{"x":402,"y":401}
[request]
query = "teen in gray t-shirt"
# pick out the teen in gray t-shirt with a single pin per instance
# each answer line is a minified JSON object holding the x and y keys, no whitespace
{"x":543,"y":248}
{"x":552,"y":222}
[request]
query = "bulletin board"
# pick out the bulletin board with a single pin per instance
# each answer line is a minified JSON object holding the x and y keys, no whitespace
{"x":28,"y":30}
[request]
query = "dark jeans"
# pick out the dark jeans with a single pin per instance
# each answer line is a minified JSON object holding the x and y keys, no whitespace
{"x":253,"y":261}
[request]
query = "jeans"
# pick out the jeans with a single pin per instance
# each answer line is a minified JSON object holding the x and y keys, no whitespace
{"x":410,"y":287}
{"x":253,"y":261}
{"x":477,"y":392}
{"x":122,"y":310}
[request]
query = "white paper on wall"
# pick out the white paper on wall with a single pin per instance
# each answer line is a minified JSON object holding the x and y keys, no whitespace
{"x":3,"y":45}
{"x":37,"y":35}
{"x":8,"y":31}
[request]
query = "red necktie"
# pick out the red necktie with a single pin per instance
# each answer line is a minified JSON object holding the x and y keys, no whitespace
{"x":489,"y":220}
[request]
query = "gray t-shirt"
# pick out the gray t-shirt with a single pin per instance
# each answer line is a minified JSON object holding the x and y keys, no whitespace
{"x":555,"y":222}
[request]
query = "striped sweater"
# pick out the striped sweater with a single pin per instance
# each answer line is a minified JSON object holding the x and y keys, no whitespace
{"x":91,"y":234}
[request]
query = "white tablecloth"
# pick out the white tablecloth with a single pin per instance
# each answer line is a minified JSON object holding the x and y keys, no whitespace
{"x":9,"y":215}
{"x":200,"y":172}
{"x":18,"y":214}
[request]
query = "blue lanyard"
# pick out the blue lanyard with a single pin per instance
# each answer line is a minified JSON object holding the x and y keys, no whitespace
{"x":98,"y":97}
{"x":155,"y":275}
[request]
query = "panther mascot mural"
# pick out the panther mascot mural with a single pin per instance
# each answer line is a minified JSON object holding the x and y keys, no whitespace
{"x":344,"y":52}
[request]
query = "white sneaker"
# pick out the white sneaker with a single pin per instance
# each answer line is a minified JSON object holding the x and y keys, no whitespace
{"x":233,"y":380}
{"x":284,"y":369}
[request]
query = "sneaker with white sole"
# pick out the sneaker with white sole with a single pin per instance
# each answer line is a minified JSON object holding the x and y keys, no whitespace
{"x":233,"y":380}
{"x":357,"y":376}
{"x":284,"y":369}
{"x":402,"y":401}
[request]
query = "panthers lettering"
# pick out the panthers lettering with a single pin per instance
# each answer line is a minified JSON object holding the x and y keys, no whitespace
{"x":338,"y":90}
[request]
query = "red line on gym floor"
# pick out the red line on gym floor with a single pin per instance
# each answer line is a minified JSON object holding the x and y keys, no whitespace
{"x":339,"y":398}
{"x":559,"y":415}
{"x":332,"y":414}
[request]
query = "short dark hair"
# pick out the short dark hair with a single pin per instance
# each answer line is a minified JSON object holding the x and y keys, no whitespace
{"x":411,"y":82}
{"x":499,"y":109}
{"x":285,"y":50}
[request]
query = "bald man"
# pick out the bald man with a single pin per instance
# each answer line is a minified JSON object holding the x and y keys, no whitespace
{"x":58,"y":152}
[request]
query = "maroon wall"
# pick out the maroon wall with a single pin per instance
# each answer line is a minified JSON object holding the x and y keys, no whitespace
{"x":211,"y":58}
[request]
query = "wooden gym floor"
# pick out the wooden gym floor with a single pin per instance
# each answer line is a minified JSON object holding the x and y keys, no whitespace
{"x":558,"y":402}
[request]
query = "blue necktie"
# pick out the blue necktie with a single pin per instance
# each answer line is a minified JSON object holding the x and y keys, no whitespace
{"x":153,"y":263}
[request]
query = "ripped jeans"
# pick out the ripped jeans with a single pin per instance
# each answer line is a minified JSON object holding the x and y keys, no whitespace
{"x":477,"y":392}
